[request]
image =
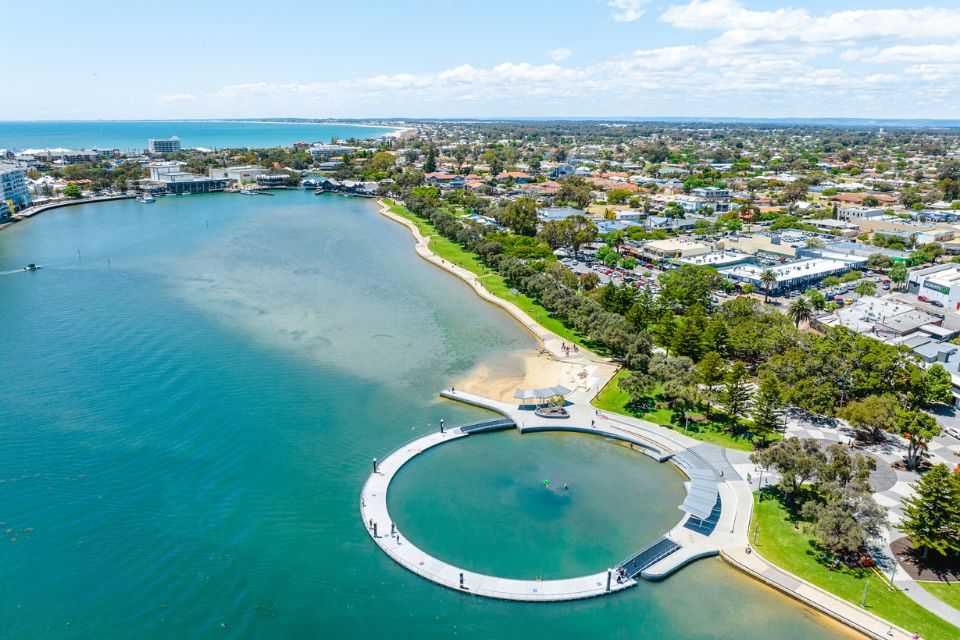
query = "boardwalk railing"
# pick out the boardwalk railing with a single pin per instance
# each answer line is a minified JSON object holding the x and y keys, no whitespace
{"x":488,"y":425}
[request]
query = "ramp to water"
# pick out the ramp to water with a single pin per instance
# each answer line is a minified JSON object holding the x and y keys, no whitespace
{"x":650,"y":554}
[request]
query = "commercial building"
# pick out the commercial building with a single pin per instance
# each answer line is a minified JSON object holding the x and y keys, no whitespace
{"x":881,"y":319}
{"x":757,"y":244}
{"x":858,"y":213}
{"x":271,"y":180}
{"x":673,"y":248}
{"x":164,"y":145}
{"x":719,"y":259}
{"x":331,"y":150}
{"x":792,"y":275}
{"x":167,"y":176}
{"x":14,"y":191}
{"x":847,"y":248}
{"x":830,"y":225}
{"x":940,"y":283}
{"x":57,"y":156}
{"x":246,"y":174}
{"x":548,"y":214}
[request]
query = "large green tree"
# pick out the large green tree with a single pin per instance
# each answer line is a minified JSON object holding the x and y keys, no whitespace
{"x":736,"y":391}
{"x":769,"y":407}
{"x":873,"y":415}
{"x":690,"y":285}
{"x":520,"y":215}
{"x":931,"y":517}
{"x":796,"y":461}
{"x":917,"y":428}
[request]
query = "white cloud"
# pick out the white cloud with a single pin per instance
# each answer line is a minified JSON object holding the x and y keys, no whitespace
{"x":177,"y":98}
{"x":927,"y":53}
{"x":742,"y":26}
{"x":780,"y":62}
{"x":628,"y":10}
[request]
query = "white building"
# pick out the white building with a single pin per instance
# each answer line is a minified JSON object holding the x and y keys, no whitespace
{"x":792,"y":275}
{"x":858,"y":213}
{"x":239,"y":175}
{"x":940,"y":283}
{"x":14,"y":192}
{"x":331,"y":150}
{"x":881,"y":319}
{"x":164,"y":145}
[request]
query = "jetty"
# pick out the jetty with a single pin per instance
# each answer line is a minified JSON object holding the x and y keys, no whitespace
{"x":715,"y":516}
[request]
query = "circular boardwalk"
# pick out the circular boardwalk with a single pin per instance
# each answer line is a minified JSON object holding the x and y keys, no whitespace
{"x":376,"y":517}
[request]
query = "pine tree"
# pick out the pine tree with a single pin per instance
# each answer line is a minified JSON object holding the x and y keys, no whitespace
{"x":768,"y":407}
{"x":736,"y":395}
{"x":931,"y":517}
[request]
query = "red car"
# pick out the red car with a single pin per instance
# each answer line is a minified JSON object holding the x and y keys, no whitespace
{"x":923,"y":298}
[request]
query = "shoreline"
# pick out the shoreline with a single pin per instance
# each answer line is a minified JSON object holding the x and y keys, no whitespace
{"x":819,"y":602}
{"x":594,"y":372}
{"x":20,"y":216}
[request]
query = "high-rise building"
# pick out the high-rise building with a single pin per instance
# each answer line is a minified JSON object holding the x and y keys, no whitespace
{"x":14,"y":192}
{"x":165,"y":145}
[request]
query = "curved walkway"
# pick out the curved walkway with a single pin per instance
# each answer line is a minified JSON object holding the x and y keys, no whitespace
{"x":376,"y":517}
{"x":693,"y":538}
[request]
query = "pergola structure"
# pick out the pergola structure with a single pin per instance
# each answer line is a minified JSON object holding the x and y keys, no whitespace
{"x":540,"y":396}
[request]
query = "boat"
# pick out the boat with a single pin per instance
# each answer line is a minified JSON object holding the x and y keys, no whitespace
{"x":248,"y":192}
{"x":32,"y":267}
{"x":146,"y":199}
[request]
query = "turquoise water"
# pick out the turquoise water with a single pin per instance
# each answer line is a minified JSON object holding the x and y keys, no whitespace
{"x":185,"y":430}
{"x":130,"y":134}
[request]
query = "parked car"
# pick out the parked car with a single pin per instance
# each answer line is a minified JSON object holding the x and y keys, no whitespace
{"x":838,"y":300}
{"x":923,"y":298}
{"x":936,"y":303}
{"x":952,"y":431}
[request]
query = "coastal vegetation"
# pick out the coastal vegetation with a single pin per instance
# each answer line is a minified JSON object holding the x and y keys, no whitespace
{"x":786,"y":539}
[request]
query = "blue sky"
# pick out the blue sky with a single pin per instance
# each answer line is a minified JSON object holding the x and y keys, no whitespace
{"x":453,"y":58}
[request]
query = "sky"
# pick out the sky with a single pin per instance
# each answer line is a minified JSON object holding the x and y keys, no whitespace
{"x":489,"y":59}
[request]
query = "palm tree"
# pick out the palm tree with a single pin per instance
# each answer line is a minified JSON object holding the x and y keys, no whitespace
{"x":767,"y":279}
{"x":800,"y":310}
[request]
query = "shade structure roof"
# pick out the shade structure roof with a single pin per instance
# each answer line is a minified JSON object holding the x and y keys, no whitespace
{"x":703,"y":493}
{"x":540,"y":394}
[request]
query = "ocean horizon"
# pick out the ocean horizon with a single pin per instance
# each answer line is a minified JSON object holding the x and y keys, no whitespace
{"x":214,"y":134}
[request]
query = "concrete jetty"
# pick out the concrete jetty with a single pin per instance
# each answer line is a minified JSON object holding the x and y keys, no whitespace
{"x":696,"y":535}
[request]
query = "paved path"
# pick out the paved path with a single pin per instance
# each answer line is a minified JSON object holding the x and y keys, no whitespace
{"x":851,"y":615}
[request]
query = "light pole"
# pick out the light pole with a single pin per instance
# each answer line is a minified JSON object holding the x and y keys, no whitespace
{"x":863,"y":602}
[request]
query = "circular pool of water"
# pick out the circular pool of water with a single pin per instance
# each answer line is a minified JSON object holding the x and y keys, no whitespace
{"x":495,"y":503}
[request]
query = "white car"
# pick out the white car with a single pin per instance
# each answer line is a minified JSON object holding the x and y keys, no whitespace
{"x":952,"y":431}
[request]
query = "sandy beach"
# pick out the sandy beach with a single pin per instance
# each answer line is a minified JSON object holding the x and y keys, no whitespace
{"x":527,"y":369}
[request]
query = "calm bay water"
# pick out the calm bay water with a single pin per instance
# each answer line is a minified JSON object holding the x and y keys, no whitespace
{"x":132,"y":134}
{"x":184,"y":432}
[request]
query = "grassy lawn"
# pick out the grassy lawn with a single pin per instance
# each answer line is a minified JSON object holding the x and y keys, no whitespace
{"x":949,"y":592}
{"x":492,"y":281}
{"x":791,"y":548}
{"x":613,"y":398}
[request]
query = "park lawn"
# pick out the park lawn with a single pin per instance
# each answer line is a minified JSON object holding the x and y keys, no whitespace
{"x":790,"y":548}
{"x":614,"y":399}
{"x":949,"y":592}
{"x":492,"y":281}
